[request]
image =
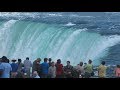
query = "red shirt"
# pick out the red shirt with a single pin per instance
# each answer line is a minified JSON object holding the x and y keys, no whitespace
{"x":59,"y":69}
{"x":117,"y":72}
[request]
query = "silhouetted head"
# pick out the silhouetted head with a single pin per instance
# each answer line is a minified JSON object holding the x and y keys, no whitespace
{"x":58,"y":61}
{"x":53,"y":64}
{"x":103,"y":62}
{"x":50,"y":59}
{"x":27,"y":58}
{"x":35,"y":73}
{"x":90,"y":61}
{"x":45,"y":59}
{"x":4,"y":59}
{"x":118,"y":66}
{"x":19,"y":60}
{"x":81,"y":63}
{"x":38,"y":59}
{"x":13,"y":60}
{"x":68,"y":62}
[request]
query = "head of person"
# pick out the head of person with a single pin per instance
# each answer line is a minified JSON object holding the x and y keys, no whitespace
{"x":58,"y":61}
{"x":52,"y":64}
{"x":50,"y":59}
{"x":27,"y":58}
{"x":38,"y":60}
{"x":68,"y":62}
{"x":81,"y":63}
{"x":85,"y":63}
{"x":90,"y":61}
{"x":4,"y":59}
{"x":14,"y":60}
{"x":19,"y":60}
{"x":45,"y":59}
{"x":118,"y":66}
{"x":103,"y":62}
{"x":35,"y":73}
{"x":25,"y":75}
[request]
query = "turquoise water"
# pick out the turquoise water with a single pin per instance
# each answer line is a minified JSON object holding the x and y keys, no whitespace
{"x":21,"y":39}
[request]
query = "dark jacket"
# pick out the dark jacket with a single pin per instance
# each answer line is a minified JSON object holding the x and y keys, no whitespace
{"x":36,"y":67}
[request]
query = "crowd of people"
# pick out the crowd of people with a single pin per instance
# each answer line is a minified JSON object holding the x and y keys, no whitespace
{"x":50,"y":69}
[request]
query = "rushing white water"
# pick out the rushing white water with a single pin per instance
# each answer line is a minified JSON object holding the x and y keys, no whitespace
{"x":70,"y":24}
{"x":21,"y":39}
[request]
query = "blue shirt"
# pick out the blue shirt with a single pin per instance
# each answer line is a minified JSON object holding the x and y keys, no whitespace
{"x":44,"y":67}
{"x":14,"y":67}
{"x":6,"y":70}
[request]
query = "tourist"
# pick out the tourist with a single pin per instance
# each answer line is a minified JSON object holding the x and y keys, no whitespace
{"x":20,"y":65}
{"x":52,"y":70}
{"x":45,"y":67}
{"x":80,"y":70}
{"x":117,"y":71}
{"x":88,"y":69}
{"x":68,"y":69}
{"x":50,"y":61}
{"x":5,"y":68}
{"x":27,"y":66}
{"x":59,"y":69}
{"x":35,"y":75}
{"x":14,"y":69}
{"x":102,"y":70}
{"x":37,"y":66}
{"x":1,"y":68}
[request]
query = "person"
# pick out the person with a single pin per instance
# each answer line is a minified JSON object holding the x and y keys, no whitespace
{"x":1,"y":67}
{"x":59,"y":69}
{"x":14,"y":69}
{"x":25,"y":75}
{"x":0,"y":60}
{"x":27,"y":66}
{"x":52,"y":70}
{"x":20,"y":65}
{"x":88,"y":69}
{"x":44,"y":68}
{"x":22,"y":73}
{"x":117,"y":71}
{"x":5,"y":67}
{"x":68,"y":69}
{"x":77,"y":69}
{"x":35,"y":75}
{"x":19,"y":75}
{"x":102,"y":70}
{"x":50,"y":61}
{"x":36,"y":66}
{"x":80,"y":70}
